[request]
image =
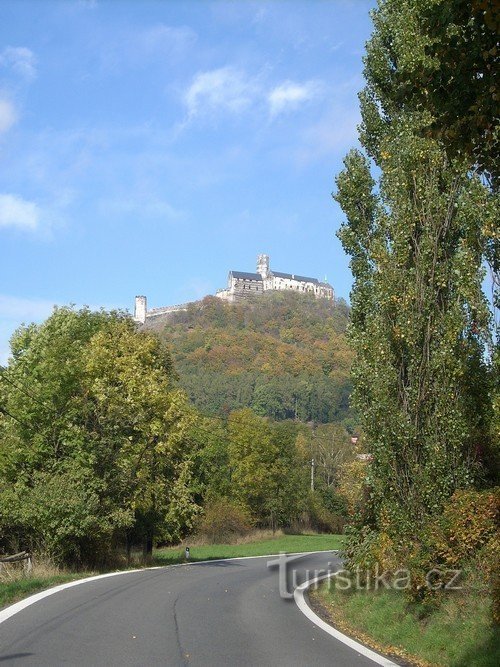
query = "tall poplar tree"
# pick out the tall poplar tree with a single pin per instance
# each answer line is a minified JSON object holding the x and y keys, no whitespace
{"x":418,"y":236}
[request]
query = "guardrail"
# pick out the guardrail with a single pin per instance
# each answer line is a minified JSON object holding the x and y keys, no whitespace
{"x":17,"y":558}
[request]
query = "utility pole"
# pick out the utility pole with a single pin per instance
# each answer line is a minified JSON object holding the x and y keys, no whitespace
{"x":312,"y":474}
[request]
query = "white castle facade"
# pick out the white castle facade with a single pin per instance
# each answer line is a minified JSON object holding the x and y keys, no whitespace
{"x":242,"y":285}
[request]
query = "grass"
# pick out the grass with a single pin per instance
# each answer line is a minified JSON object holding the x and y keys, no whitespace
{"x":259,"y":547}
{"x":459,"y":633}
{"x":15,"y":585}
{"x":13,"y":591}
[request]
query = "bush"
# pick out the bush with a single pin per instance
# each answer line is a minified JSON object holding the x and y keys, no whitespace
{"x":469,"y":522}
{"x":324,"y":516}
{"x":222,"y":521}
{"x":463,"y":537}
{"x":61,"y":517}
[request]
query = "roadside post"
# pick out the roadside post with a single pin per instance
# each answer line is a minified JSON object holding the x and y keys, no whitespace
{"x":187,"y":553}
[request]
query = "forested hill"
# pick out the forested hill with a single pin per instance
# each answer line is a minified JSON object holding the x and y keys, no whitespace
{"x":284,"y":355}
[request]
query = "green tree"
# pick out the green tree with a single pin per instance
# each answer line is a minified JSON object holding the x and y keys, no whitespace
{"x":265,"y":475}
{"x":330,"y":447}
{"x":94,"y":407}
{"x":420,"y":323}
{"x":437,"y":59}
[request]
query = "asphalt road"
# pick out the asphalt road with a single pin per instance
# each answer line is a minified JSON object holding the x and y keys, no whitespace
{"x":221,"y":613}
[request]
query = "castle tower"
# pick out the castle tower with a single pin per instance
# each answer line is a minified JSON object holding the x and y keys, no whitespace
{"x":263,"y":266}
{"x":140,"y":309}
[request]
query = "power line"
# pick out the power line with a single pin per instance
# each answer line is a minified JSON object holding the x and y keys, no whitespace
{"x":9,"y":414}
{"x":3,"y":376}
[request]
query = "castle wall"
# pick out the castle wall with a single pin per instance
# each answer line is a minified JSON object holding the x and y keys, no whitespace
{"x":242,"y":289}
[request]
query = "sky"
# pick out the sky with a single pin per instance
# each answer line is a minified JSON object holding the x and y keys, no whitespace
{"x":150,"y":147}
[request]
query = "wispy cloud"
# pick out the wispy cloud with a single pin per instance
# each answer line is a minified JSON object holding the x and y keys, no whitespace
{"x":21,"y":59}
{"x":18,"y":212}
{"x":8,"y":115}
{"x":227,"y":89}
{"x":158,"y":45}
{"x":289,"y":95}
{"x":232,"y":90}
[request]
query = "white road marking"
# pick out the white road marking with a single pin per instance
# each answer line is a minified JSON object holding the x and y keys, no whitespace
{"x":15,"y":608}
{"x":301,"y":603}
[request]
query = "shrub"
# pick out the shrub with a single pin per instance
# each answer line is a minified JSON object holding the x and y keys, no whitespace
{"x":223,"y":520}
{"x":468,"y":523}
{"x":61,"y":517}
{"x":325,"y":516}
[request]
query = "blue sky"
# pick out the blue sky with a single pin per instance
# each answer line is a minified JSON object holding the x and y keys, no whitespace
{"x":149,"y":147}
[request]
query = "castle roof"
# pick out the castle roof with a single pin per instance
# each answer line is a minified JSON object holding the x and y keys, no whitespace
{"x":243,"y":275}
{"x":290,"y":276}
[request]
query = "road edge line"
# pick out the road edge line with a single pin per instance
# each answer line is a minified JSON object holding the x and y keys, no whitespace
{"x":300,"y":601}
{"x":16,"y":607}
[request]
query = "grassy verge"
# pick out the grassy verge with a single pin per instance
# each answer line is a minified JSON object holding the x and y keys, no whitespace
{"x":13,"y":591}
{"x":288,"y":543}
{"x":458,"y":634}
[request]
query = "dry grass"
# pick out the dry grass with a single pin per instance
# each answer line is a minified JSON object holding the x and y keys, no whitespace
{"x":252,"y":536}
{"x":40,"y":568}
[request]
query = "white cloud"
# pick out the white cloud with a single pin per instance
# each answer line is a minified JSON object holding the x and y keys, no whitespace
{"x":21,"y":59}
{"x":231,"y":90}
{"x":17,"y":212}
{"x":227,"y":89}
{"x":290,"y":95}
{"x":8,"y":116}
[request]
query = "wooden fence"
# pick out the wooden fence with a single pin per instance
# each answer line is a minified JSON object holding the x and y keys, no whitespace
{"x":17,"y":558}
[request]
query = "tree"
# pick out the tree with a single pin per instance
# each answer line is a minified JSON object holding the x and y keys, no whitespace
{"x":437,"y":59}
{"x":265,"y":476}
{"x":420,"y":323}
{"x":96,"y":445}
{"x":330,"y":447}
{"x":436,"y":62}
{"x":139,"y":425}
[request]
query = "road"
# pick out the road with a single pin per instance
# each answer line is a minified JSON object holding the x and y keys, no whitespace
{"x":221,"y":613}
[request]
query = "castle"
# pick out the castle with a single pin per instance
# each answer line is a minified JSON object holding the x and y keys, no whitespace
{"x":243,"y":285}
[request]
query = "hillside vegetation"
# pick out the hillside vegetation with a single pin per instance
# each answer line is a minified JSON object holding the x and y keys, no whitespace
{"x":284,"y":355}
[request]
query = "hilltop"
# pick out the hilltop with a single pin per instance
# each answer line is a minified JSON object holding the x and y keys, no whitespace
{"x":283,"y":354}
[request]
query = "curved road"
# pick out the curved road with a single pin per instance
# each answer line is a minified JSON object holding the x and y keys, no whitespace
{"x":220,"y":613}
